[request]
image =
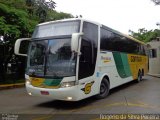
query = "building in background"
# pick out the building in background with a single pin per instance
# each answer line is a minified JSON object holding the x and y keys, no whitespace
{"x":154,"y":57}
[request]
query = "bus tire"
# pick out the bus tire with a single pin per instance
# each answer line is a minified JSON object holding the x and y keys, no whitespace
{"x":104,"y":89}
{"x":142,"y":72}
{"x":139,"y":76}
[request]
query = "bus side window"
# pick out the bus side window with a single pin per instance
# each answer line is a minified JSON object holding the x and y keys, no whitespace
{"x":85,"y":62}
{"x":88,"y":57}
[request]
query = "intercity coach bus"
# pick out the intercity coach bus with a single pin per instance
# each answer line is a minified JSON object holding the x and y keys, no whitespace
{"x":73,"y":59}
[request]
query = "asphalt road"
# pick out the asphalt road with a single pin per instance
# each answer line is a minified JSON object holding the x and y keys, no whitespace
{"x":131,"y":98}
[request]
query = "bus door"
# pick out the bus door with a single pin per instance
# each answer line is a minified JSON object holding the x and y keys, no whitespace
{"x":87,"y":61}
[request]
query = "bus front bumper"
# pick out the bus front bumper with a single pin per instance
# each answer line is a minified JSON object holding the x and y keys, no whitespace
{"x":67,"y":94}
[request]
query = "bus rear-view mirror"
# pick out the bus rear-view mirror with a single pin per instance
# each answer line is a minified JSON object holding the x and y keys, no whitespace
{"x":21,"y":46}
{"x":75,"y":41}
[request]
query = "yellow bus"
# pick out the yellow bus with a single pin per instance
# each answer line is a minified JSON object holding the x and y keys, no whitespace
{"x":73,"y":59}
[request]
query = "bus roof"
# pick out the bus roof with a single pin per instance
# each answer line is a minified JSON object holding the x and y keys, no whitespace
{"x":69,"y":19}
{"x":81,"y":19}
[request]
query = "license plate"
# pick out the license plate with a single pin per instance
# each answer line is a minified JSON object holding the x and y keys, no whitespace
{"x":44,"y":92}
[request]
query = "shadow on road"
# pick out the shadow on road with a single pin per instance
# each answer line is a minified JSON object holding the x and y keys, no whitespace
{"x":125,"y":86}
{"x":67,"y":105}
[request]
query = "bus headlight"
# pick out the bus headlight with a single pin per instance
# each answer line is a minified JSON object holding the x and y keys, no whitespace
{"x":67,"y":84}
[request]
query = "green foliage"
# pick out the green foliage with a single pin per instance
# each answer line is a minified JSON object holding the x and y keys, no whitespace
{"x":145,"y":35}
{"x":54,"y":15}
{"x":18,"y":4}
{"x":44,"y":10}
{"x":18,"y":19}
{"x":15,"y":21}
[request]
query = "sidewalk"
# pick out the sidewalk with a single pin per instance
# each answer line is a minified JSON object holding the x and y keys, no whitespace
{"x":8,"y":86}
{"x":154,"y":75}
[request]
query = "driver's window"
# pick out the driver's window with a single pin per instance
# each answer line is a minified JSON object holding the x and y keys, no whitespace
{"x":88,"y":57}
{"x":86,"y":51}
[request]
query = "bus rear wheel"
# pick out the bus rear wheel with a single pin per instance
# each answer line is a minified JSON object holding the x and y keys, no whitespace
{"x":139,"y":76}
{"x":104,"y":89}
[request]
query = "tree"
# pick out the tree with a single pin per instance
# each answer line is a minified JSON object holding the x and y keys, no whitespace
{"x":157,"y":2}
{"x":145,"y":35}
{"x":18,"y":19}
{"x":40,"y":8}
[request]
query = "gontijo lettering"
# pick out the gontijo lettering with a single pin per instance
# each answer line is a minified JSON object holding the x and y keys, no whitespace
{"x":136,"y":59}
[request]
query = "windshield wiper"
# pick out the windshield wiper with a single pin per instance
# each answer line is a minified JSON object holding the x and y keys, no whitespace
{"x":54,"y":74}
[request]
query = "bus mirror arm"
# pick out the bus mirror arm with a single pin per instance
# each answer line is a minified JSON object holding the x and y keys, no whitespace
{"x":75,"y":41}
{"x":79,"y":53}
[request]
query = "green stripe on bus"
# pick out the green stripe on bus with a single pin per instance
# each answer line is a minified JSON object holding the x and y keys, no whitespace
{"x":122,"y":65}
{"x":52,"y":82}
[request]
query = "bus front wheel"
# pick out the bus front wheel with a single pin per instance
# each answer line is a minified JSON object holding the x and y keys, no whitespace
{"x":104,"y":89}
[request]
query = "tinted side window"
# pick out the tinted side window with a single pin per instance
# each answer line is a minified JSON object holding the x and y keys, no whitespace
{"x":106,"y":40}
{"x":120,"y":43}
{"x":142,"y":50}
{"x":132,"y":47}
{"x":89,"y":50}
{"x":114,"y":42}
{"x":91,"y":32}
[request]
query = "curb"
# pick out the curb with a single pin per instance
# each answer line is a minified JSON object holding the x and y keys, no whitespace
{"x":154,"y":75}
{"x":9,"y":86}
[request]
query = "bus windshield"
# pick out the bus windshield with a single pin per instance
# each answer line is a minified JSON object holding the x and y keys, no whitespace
{"x":51,"y":58}
{"x":50,"y":53}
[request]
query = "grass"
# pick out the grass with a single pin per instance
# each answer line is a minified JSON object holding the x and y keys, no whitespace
{"x":12,"y":81}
